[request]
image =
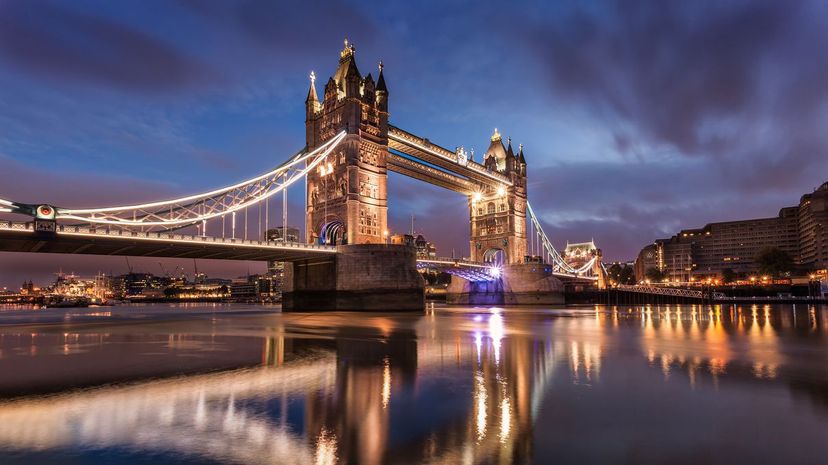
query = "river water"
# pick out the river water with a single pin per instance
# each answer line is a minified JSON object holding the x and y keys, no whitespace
{"x":211,"y":384}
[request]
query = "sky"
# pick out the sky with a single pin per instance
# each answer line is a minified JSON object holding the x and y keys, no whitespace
{"x":638,"y":118}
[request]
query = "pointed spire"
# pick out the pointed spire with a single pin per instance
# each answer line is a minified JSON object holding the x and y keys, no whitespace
{"x":347,"y":51}
{"x":521,"y":158}
{"x":509,"y":147}
{"x":381,"y":80}
{"x":495,"y":136}
{"x":312,"y":97}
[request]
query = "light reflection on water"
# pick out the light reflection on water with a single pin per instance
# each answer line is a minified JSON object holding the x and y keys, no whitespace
{"x":488,"y":385}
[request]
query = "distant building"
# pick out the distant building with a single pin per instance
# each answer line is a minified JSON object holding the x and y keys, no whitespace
{"x":276,"y":270}
{"x":577,"y":255}
{"x":425,"y":249}
{"x":402,"y":239}
{"x":705,"y":252}
{"x":278,"y":234}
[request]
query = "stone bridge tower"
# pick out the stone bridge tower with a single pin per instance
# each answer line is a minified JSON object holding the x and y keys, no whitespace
{"x":347,"y":200}
{"x":498,"y":214}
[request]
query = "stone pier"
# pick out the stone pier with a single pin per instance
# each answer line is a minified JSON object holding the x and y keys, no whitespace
{"x":519,"y":284}
{"x":365,"y":277}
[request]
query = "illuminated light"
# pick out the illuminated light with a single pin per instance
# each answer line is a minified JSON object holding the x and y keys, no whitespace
{"x":200,"y":242}
{"x":496,"y":333}
{"x":501,"y":191}
{"x":505,"y":419}
{"x":326,"y":148}
{"x":5,"y":210}
{"x":386,"y":382}
{"x":477,"y":318}
{"x":480,"y":396}
{"x":477,"y":197}
{"x":326,"y":448}
{"x":478,"y":344}
{"x":494,"y":272}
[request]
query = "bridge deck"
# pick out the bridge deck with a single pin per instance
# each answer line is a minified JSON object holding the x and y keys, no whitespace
{"x":21,"y":237}
{"x":422,"y":149}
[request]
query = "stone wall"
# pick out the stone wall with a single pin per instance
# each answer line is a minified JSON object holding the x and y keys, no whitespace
{"x":366,"y":277}
{"x":520,"y":284}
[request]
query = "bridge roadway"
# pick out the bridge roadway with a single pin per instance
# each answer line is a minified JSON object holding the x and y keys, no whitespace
{"x":21,"y":237}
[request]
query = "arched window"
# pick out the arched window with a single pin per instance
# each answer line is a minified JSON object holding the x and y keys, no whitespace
{"x":490,"y":208}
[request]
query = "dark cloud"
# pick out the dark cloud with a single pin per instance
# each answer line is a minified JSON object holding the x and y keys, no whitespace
{"x":27,"y":184}
{"x":287,"y":31}
{"x":670,"y":67}
{"x":52,"y":41}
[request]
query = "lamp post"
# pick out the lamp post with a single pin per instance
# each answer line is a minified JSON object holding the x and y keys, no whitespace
{"x":385,"y":236}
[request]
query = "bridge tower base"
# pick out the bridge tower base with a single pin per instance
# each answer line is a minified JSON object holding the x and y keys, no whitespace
{"x":519,"y":284}
{"x":364,"y":277}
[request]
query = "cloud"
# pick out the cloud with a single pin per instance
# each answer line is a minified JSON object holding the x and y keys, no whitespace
{"x":671,"y":67}
{"x":54,"y":42}
{"x":22,"y":183}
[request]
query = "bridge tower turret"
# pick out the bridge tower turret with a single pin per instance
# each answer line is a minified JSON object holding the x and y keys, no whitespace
{"x":347,"y":195}
{"x":498,"y":211}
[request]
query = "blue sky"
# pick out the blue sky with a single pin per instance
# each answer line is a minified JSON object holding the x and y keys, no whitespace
{"x":637,"y":118}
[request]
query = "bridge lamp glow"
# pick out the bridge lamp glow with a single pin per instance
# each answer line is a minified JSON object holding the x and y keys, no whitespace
{"x":494,"y":272}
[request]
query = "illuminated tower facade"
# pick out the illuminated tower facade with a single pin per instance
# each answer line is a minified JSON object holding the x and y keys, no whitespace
{"x":347,"y":201}
{"x":498,"y":213}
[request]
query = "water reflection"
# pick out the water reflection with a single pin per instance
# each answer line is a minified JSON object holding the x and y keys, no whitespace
{"x":450,"y":386}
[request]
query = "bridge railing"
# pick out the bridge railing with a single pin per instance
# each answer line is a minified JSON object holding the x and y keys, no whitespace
{"x":454,"y":262}
{"x":669,"y":291}
{"x":153,"y":235}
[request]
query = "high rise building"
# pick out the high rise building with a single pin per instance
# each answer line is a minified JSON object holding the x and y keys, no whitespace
{"x":276,"y":270}
{"x":812,"y":222}
{"x":707,"y":251}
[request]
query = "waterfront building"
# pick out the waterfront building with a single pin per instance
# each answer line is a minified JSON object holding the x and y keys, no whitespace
{"x":253,"y":287}
{"x":705,"y":252}
{"x":276,"y":270}
{"x":425,"y":249}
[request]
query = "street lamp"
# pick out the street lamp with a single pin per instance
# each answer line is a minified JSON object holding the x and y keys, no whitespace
{"x":385,"y":236}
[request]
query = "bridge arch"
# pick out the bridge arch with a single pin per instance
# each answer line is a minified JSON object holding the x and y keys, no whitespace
{"x":333,"y":233}
{"x":495,"y":256}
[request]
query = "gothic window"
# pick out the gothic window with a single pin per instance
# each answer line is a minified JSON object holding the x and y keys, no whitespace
{"x":480,"y":210}
{"x":490,"y":208}
{"x":503,"y":207}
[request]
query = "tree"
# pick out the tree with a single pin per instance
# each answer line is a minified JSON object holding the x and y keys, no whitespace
{"x":614,"y":273}
{"x":655,"y":275}
{"x":774,"y":261}
{"x":171,"y":292}
{"x":728,"y":275}
{"x":627,"y":275}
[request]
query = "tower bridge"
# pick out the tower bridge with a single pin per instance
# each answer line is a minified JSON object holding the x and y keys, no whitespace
{"x":343,"y":261}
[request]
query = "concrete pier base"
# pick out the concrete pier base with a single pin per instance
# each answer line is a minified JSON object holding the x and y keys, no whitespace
{"x":365,"y":277}
{"x":519,"y":284}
